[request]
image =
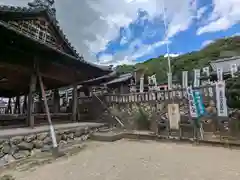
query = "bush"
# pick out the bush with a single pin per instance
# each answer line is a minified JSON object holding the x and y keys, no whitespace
{"x":142,"y":119}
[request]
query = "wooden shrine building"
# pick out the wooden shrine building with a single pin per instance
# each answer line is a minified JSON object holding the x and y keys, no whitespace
{"x":34,"y":49}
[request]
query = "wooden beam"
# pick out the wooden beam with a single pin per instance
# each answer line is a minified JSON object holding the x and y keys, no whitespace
{"x":52,"y":71}
{"x":24,"y":107}
{"x":30,"y":109}
{"x":17,"y":106}
{"x":9,"y":107}
{"x":56,"y":101}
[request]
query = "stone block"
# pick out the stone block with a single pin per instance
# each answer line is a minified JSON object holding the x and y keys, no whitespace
{"x":14,"y":149}
{"x":6,"y":147}
{"x":16,"y":140}
{"x":64,"y":137}
{"x":25,"y":146}
{"x":46,"y":148}
{"x":30,"y":138}
{"x":42,"y":136}
{"x":38,"y":144}
{"x":70,"y":136}
{"x":79,"y":132}
{"x":47,"y":141}
{"x":21,"y":154}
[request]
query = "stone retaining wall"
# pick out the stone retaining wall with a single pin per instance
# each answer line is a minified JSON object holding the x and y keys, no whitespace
{"x":19,"y":147}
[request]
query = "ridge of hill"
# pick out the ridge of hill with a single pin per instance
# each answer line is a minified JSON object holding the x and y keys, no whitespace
{"x":221,"y":48}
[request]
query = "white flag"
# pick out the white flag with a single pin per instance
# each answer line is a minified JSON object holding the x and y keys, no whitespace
{"x":185,"y":79}
{"x":219,"y":74}
{"x":141,"y":84}
{"x":192,"y":105}
{"x":197,"y":74}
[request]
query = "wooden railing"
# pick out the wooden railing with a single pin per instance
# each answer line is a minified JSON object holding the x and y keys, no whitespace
{"x":154,"y":96}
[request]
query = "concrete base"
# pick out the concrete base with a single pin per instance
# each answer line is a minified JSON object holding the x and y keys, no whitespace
{"x":56,"y":153}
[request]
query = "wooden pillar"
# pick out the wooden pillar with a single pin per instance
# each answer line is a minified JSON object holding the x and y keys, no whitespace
{"x":24,"y":107}
{"x":74,"y":103}
{"x":9,"y":106}
{"x":30,"y":104}
{"x":17,"y":106}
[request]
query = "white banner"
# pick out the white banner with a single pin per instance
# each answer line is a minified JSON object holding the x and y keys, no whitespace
{"x":192,"y":105}
{"x":233,"y":69}
{"x":141,"y":84}
{"x":154,"y":79}
{"x":221,"y":99}
{"x":185,"y":79}
{"x":174,"y":116}
{"x":197,"y":74}
{"x":149,"y":83}
{"x":219,"y":74}
{"x":169,"y":80}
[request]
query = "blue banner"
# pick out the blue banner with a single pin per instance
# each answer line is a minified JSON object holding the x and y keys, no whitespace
{"x":199,"y":102}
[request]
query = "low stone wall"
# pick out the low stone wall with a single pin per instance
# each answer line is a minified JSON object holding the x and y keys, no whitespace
{"x":19,"y":147}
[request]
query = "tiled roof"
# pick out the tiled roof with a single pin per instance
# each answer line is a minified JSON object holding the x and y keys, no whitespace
{"x":55,"y":23}
{"x":53,"y":20}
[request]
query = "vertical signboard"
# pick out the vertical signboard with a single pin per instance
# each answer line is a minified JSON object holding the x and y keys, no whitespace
{"x":154,"y":79}
{"x":142,"y":84}
{"x":174,"y":116}
{"x":191,"y":101}
{"x":219,"y":74}
{"x":197,"y":74}
{"x":185,"y":79}
{"x":199,"y":103}
{"x":221,"y":99}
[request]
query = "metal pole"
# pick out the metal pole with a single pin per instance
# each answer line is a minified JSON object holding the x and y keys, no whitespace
{"x":167,"y":46}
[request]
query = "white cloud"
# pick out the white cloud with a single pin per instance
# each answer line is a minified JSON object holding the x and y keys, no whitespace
{"x":172,"y":55}
{"x":179,"y":15}
{"x":148,"y":49}
{"x":236,"y":34}
{"x":91,"y":24}
{"x":207,"y":42}
{"x":106,"y":58}
{"x":225,"y":14}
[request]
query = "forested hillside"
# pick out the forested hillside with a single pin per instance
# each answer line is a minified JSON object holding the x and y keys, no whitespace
{"x":220,"y":48}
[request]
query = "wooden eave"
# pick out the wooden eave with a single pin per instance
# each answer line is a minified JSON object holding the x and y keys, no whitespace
{"x":57,"y":68}
{"x":18,"y":13}
{"x":21,"y":13}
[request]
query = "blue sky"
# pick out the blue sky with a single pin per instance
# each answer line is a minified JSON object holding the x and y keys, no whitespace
{"x":130,"y":31}
{"x":146,"y":37}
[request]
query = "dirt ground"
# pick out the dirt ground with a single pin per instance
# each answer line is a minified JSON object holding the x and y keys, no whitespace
{"x":141,"y":160}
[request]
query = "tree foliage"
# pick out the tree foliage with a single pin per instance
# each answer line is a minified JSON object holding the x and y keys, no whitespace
{"x":198,"y":59}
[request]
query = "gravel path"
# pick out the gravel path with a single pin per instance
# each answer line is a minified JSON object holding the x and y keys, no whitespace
{"x":142,"y":160}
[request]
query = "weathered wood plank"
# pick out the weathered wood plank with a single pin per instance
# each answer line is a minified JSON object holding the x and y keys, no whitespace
{"x":30,"y":108}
